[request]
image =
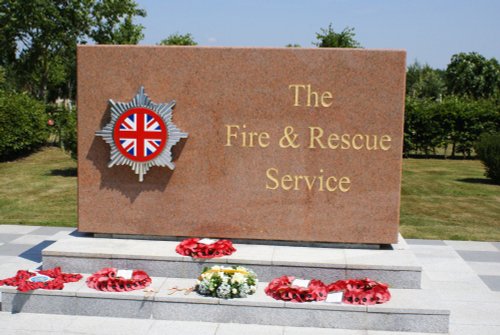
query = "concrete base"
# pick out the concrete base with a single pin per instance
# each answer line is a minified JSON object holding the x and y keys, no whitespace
{"x":397,"y":267}
{"x":409,"y":310}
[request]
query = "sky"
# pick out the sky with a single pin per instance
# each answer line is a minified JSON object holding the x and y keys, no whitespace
{"x":431,"y":31}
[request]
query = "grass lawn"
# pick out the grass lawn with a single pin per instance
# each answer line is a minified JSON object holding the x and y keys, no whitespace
{"x":39,"y":189}
{"x":441,"y":199}
{"x":449,"y":199}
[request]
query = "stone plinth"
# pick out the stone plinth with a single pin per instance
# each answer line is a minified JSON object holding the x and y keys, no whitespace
{"x":398,"y":268}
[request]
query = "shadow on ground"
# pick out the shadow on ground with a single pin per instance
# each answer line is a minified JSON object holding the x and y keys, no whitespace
{"x":67,"y":172}
{"x":34,"y":254}
{"x":477,"y":181}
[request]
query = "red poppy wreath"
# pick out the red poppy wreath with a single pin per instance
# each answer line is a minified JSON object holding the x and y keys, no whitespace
{"x":192,"y":247}
{"x":51,"y":279}
{"x":356,"y":291}
{"x":107,"y":280}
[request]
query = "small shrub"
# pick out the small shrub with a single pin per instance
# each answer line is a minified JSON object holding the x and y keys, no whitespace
{"x":488,"y":150}
{"x":23,"y":125}
{"x":64,"y":127}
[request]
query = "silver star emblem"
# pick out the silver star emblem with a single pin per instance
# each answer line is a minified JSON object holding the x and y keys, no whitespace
{"x":141,"y":134}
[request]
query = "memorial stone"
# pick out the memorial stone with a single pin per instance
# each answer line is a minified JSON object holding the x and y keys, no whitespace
{"x":283,"y":144}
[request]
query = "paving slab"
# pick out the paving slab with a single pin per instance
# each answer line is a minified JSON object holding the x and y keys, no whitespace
{"x":34,"y":322}
{"x":480,"y":256}
{"x":485,"y":268}
{"x":471,"y":245}
{"x":162,"y":327}
{"x":30,"y":239}
{"x":463,"y":329}
{"x":109,"y":326}
{"x":424,"y":242}
{"x":9,"y":249}
{"x":481,"y":314}
{"x":7,"y":238}
{"x":17,"y":229}
{"x":493,"y":282}
{"x":234,"y":328}
{"x":47,"y":231}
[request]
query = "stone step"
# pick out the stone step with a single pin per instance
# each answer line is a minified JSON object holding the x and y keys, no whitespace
{"x":52,"y":324}
{"x":408,"y":311}
{"x":399,"y":268}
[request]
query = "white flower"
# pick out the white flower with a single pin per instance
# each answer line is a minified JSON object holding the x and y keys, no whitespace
{"x":224,"y":291}
{"x":238,"y":278}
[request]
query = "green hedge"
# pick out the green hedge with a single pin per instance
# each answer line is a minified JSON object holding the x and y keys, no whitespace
{"x":23,"y":125}
{"x":451,"y":122}
{"x":488,"y":150}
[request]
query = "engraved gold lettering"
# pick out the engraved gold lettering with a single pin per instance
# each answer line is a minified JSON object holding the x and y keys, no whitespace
{"x":264,"y":140}
{"x":346,"y":143}
{"x":316,"y":138}
{"x":319,"y":183}
{"x":328,"y":186}
{"x":324,"y":96}
{"x":385,"y":138}
{"x":270,"y":177}
{"x":296,"y":102}
{"x":356,"y":146}
{"x":374,"y":144}
{"x":286,"y":182}
{"x":289,"y":136}
{"x":313,"y":98}
{"x":332,"y":139}
{"x":342,"y":181}
{"x":230,"y":134}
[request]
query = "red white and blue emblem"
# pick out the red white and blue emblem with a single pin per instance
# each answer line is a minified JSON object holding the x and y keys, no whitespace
{"x":141,"y":134}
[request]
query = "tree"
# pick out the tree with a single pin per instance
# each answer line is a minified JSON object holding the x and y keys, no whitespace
{"x":328,"y":38}
{"x":39,"y":38}
{"x":472,"y":75}
{"x":294,"y":45}
{"x":422,"y":81}
{"x":178,"y":39}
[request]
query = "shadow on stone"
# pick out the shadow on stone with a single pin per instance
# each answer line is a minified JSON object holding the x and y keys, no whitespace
{"x":122,"y":178}
{"x":19,"y":301}
{"x":68,"y":172}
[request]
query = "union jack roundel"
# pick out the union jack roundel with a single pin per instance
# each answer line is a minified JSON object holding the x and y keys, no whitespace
{"x":141,"y":134}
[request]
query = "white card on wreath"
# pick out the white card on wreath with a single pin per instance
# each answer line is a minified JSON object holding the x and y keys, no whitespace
{"x":207,"y":241}
{"x":125,"y":274}
{"x":300,"y":282}
{"x":335,"y":297}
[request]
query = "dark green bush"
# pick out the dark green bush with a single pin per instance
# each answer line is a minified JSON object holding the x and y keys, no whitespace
{"x":451,"y":122}
{"x":488,"y":150}
{"x":23,"y":125}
